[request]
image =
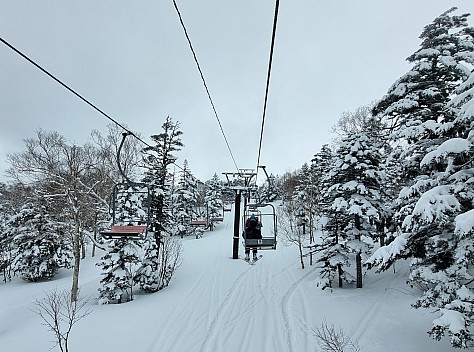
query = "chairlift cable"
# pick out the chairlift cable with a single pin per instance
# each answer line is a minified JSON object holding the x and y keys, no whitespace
{"x":204,"y":82}
{"x":71,"y":90}
{"x":275,"y":20}
{"x":129,"y":132}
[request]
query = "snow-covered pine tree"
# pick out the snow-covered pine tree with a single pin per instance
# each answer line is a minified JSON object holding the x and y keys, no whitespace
{"x":158,"y":266}
{"x":12,"y":197}
{"x":435,"y":208}
{"x":184,"y":200}
{"x":119,"y":267}
{"x":157,"y":159}
{"x":158,"y":259}
{"x":439,"y":228}
{"x":69,"y":176}
{"x":303,"y":198}
{"x":387,"y":226}
{"x":414,"y":106}
{"x":6,"y":240}
{"x":148,"y":273}
{"x":213,"y":198}
{"x":270,"y":190}
{"x":320,"y":166}
{"x":40,"y":249}
{"x":444,"y":217}
{"x":355,"y":203}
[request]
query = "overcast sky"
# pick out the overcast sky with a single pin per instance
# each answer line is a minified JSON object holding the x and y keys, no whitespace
{"x":131,"y":59}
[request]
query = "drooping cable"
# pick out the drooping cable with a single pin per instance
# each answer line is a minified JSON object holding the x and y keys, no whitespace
{"x":79,"y":96}
{"x":275,"y":20}
{"x":70,"y":89}
{"x":204,"y":82}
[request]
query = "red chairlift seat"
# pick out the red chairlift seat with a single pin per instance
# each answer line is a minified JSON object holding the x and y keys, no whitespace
{"x":126,"y":231}
{"x":199,"y":223}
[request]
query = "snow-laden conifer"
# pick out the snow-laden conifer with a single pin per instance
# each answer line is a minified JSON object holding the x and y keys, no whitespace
{"x":156,"y":271}
{"x":320,"y":166}
{"x":40,"y":248}
{"x":270,"y":190}
{"x":119,"y":265}
{"x":6,"y":241}
{"x":184,"y":199}
{"x":157,"y":159}
{"x":415,"y":105}
{"x":437,"y":221}
{"x":354,"y":204}
{"x":213,"y":198}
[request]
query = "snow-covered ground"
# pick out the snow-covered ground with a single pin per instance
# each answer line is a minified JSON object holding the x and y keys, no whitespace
{"x":215,"y":303}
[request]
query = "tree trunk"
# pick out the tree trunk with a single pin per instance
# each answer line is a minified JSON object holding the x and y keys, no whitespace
{"x":300,"y":245}
{"x":95,"y":238}
{"x":311,"y":235}
{"x":339,"y":274}
{"x":358,"y":270}
{"x":83,"y":247}
{"x":381,"y":230}
{"x":76,"y":244}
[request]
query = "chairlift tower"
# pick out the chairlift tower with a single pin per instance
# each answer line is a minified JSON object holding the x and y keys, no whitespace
{"x":242,"y":183}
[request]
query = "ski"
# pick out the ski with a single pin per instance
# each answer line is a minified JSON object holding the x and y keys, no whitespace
{"x":252,"y":261}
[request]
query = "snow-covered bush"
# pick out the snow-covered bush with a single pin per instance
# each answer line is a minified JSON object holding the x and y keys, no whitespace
{"x":40,"y":248}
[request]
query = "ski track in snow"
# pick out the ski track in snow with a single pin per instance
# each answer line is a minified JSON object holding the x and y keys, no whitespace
{"x":253,"y":306}
{"x":285,"y":306}
{"x":193,"y":317}
{"x":212,"y":331}
{"x":375,"y":308}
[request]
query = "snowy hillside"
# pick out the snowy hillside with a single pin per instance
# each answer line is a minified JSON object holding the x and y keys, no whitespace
{"x":215,"y":303}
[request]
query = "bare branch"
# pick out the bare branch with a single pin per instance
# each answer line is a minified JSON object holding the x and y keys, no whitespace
{"x":332,"y":340}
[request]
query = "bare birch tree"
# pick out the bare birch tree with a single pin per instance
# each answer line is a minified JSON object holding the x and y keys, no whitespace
{"x":65,"y":172}
{"x":59,"y":313}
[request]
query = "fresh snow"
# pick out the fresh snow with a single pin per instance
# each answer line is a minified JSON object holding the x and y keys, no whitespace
{"x":465,"y":222}
{"x":451,"y":146}
{"x":434,"y":203}
{"x":215,"y":303}
{"x":385,"y":254}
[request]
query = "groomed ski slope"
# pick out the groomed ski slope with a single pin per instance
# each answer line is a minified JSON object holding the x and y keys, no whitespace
{"x":215,"y":303}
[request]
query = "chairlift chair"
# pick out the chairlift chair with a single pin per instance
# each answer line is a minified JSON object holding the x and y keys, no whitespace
{"x":199,"y":223}
{"x":129,"y":222}
{"x":130,"y":206}
{"x":265,"y":212}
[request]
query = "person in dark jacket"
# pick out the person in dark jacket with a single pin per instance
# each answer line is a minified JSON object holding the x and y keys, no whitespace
{"x":252,"y":231}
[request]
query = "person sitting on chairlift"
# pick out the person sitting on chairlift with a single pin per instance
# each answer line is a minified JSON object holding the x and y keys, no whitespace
{"x":252,"y":231}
